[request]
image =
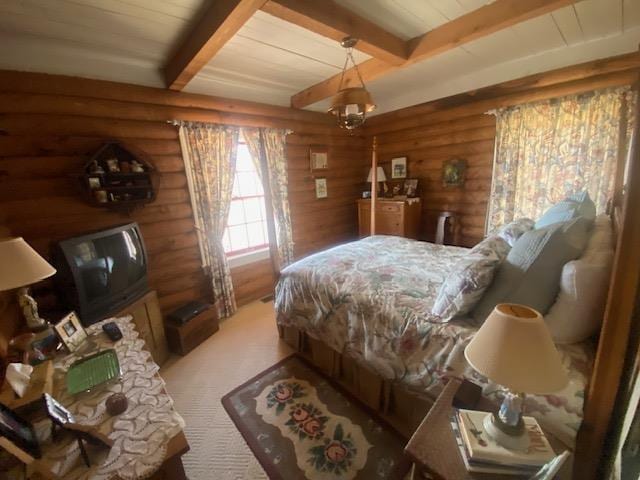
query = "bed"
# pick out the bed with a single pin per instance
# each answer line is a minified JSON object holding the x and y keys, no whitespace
{"x":366,"y":305}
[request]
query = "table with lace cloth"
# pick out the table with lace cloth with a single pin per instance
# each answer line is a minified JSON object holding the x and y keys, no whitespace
{"x":143,"y":435}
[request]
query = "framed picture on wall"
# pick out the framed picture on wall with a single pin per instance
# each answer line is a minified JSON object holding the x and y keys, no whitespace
{"x":321,"y":188}
{"x":318,"y":157}
{"x":453,"y":172}
{"x":399,"y":167}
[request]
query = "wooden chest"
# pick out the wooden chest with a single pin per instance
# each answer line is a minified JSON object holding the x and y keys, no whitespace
{"x":184,"y":338}
{"x":393,"y":217}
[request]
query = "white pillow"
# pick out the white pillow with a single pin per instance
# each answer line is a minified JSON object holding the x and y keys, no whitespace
{"x":577,"y":313}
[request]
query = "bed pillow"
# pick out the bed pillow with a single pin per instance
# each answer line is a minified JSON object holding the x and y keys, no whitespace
{"x":511,"y":232}
{"x":469,"y":278}
{"x":574,"y":206}
{"x":530,"y":275}
{"x":578,"y":311}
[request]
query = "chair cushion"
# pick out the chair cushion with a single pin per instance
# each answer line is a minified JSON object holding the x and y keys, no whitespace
{"x":469,"y":278}
{"x":530,"y":275}
{"x":574,"y":206}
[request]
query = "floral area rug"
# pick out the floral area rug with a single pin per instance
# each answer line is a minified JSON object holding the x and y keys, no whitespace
{"x":301,"y":424}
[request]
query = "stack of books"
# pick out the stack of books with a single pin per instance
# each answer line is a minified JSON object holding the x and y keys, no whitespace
{"x":483,"y":455}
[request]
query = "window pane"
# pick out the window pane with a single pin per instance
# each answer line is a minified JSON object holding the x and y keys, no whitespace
{"x":238,"y":237}
{"x":236,"y":187}
{"x":256,"y":234}
{"x":226,"y":244}
{"x":244,"y":163}
{"x":258,"y":185}
{"x":236,"y":213}
{"x":245,"y":180}
{"x":246,"y":226}
{"x":252,"y":209}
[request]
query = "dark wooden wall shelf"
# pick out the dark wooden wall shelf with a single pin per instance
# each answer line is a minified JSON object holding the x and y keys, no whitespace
{"x":118,"y":178}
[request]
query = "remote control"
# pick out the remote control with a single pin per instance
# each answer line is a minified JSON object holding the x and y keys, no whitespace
{"x":113,"y":331}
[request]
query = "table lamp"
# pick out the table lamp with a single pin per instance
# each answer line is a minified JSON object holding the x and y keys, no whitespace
{"x":514,"y":348}
{"x":21,"y":265}
{"x":380,"y":177}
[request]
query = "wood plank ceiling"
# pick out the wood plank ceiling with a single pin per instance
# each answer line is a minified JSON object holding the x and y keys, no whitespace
{"x":269,"y":59}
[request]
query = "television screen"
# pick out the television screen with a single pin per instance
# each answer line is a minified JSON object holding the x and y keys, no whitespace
{"x":110,"y":264}
{"x":106,"y":270}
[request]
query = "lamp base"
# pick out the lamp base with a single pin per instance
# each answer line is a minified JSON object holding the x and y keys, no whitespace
{"x":512,"y":441}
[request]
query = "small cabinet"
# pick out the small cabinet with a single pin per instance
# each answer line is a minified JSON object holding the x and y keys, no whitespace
{"x":393,"y":217}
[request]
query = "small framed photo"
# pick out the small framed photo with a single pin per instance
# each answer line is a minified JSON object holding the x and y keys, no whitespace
{"x":21,"y":437}
{"x":319,"y":157}
{"x":399,"y":167}
{"x":453,"y":172}
{"x":56,"y":411}
{"x":321,"y":188}
{"x":410,"y":187}
{"x":71,"y":332}
{"x":94,"y":183}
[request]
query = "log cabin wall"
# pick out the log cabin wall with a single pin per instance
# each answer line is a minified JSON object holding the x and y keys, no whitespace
{"x":10,"y":319}
{"x":457,"y":127}
{"x":50,"y":123}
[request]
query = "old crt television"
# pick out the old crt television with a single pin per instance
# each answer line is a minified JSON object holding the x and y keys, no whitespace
{"x":101,"y":273}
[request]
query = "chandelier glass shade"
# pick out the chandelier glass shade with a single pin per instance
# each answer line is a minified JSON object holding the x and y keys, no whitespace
{"x":350,"y":105}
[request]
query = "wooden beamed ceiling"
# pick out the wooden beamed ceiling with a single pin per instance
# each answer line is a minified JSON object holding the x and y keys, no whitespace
{"x":389,"y":53}
{"x":219,"y":23}
{"x":472,"y":26}
{"x":333,"y":21}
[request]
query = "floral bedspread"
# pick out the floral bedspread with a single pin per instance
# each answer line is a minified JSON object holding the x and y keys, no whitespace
{"x":372,"y":300}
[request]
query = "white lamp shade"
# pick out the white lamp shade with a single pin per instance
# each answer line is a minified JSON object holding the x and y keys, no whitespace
{"x":514,"y":349}
{"x":20,"y":265}
{"x":381,"y":177}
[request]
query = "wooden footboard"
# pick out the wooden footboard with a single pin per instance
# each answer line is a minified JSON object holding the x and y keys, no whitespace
{"x":400,"y":407}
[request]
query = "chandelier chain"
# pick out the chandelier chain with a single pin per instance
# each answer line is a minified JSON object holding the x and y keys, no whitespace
{"x":348,"y":57}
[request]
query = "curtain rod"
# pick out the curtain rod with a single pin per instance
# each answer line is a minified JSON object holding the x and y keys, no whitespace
{"x":179,"y":123}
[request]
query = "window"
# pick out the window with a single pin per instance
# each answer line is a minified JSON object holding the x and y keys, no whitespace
{"x":246,"y":226}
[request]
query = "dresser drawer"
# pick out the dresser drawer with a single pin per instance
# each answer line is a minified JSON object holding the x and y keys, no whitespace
{"x":388,"y":224}
{"x":389,"y":208}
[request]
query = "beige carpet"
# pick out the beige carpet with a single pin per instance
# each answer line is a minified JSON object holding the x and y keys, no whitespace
{"x":246,"y":344}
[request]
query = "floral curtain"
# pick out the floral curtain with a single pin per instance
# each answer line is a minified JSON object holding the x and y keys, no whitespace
{"x":267,"y":148}
{"x":209,"y":153}
{"x":548,"y":150}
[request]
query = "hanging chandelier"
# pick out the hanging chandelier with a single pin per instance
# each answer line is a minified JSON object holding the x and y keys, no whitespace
{"x":351,"y":105}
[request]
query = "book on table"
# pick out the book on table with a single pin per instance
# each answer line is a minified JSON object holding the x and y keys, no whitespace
{"x":481,"y":453}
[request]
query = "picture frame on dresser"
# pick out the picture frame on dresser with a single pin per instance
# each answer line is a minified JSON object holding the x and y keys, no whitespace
{"x":411,"y":187}
{"x":71,"y":331}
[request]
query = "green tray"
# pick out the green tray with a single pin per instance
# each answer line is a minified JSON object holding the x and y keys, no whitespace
{"x":91,"y":371}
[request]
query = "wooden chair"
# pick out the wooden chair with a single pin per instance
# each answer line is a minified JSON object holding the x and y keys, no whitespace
{"x":444,"y":219}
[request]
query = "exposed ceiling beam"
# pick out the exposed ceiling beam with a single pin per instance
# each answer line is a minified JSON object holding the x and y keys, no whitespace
{"x":333,"y":21}
{"x":220,"y":22}
{"x":471,"y":26}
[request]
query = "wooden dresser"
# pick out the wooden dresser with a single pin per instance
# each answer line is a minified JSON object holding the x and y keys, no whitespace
{"x":393,"y":217}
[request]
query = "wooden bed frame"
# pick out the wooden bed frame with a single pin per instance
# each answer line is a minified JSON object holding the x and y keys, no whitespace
{"x":406,"y":410}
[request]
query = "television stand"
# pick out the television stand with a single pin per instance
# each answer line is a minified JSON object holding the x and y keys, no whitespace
{"x":148,"y":320}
